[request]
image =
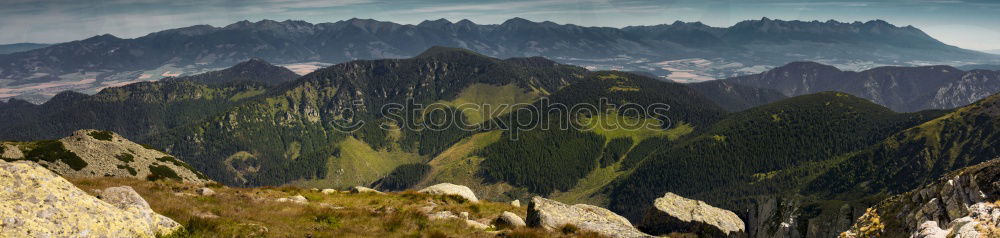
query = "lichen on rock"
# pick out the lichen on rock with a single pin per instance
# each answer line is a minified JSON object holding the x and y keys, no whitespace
{"x":35,"y":202}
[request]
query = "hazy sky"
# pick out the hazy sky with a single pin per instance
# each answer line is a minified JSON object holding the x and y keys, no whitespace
{"x":972,"y":24}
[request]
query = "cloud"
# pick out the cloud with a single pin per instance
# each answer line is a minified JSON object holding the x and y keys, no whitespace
{"x":313,"y":4}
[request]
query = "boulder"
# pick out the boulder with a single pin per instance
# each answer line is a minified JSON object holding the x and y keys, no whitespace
{"x":205,"y":191}
{"x":476,"y":224}
{"x":360,"y":189}
{"x":294,"y":199}
{"x":672,"y":213}
{"x":451,"y":189}
{"x":508,"y":220}
{"x":328,"y":191}
{"x":552,"y":215}
{"x":442,"y":215}
{"x":515,"y":203}
{"x":298,"y":199}
{"x":35,"y":202}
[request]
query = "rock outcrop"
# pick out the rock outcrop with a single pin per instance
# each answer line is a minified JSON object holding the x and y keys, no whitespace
{"x":92,"y":153}
{"x":675,"y":214}
{"x":361,"y":189}
{"x":508,"y":220}
{"x":965,"y":203}
{"x":35,"y":202}
{"x":451,"y":189}
{"x":551,"y":215}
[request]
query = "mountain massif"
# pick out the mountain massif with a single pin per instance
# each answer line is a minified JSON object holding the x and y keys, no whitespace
{"x":19,"y":47}
{"x":904,"y":89}
{"x":802,"y":166}
{"x":679,"y":51}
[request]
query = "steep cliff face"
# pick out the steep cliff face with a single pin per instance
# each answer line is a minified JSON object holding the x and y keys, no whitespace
{"x":93,"y":153}
{"x":964,"y":203}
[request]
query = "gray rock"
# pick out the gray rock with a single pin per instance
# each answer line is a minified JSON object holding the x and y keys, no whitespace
{"x":361,"y":189}
{"x":35,"y":202}
{"x":515,"y":203}
{"x":298,"y":199}
{"x":463,"y":215}
{"x":508,"y":220}
{"x":451,"y":189}
{"x":954,"y":206}
{"x":123,"y":197}
{"x":328,"y":191}
{"x":442,"y":215}
{"x":205,"y":191}
{"x":476,"y":224}
{"x":294,"y":199}
{"x":672,"y":213}
{"x":551,"y":215}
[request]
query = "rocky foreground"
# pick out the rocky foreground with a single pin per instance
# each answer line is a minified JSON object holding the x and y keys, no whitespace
{"x":36,"y":202}
{"x":39,"y":203}
{"x":962,"y":204}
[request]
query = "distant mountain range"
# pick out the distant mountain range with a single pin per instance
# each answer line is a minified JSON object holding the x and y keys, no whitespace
{"x":18,"y":47}
{"x":903,"y":89}
{"x":679,"y":51}
{"x":802,"y":166}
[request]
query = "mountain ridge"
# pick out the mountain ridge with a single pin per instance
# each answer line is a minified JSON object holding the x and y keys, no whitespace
{"x":201,"y":47}
{"x":905,"y":89}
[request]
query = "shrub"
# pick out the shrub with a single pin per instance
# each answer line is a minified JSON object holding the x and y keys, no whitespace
{"x":129,"y":168}
{"x":403,"y":177}
{"x":158,"y":172}
{"x":125,"y":157}
{"x":101,"y":135}
{"x":568,"y":229}
{"x":52,"y":151}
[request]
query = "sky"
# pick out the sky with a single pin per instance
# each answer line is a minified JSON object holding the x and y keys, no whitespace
{"x":971,"y":24}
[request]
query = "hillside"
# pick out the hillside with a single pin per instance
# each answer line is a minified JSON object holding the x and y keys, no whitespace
{"x":918,"y":155}
{"x":253,"y":70}
{"x":295,"y":128}
{"x":546,"y":161}
{"x":92,"y":153}
{"x":736,"y":97}
{"x":732,"y":162}
{"x":699,"y":50}
{"x":141,"y":109}
{"x":18,"y":47}
{"x":904,"y":89}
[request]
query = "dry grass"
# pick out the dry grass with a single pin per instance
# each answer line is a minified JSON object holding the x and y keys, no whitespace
{"x":254,"y":212}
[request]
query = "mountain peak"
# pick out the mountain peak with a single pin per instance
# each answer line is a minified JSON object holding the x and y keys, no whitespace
{"x":439,"y":23}
{"x":102,"y":37}
{"x":517,"y":21}
{"x":254,"y":69}
{"x":801,"y":65}
{"x":255,"y":61}
{"x":439,"y":51}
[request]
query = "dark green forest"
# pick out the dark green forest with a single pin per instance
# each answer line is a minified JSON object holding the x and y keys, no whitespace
{"x":722,"y":165}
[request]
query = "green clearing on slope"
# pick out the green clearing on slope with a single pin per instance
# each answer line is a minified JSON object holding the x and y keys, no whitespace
{"x":357,"y":164}
{"x":480,"y":102}
{"x":458,"y":165}
{"x":588,"y":189}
